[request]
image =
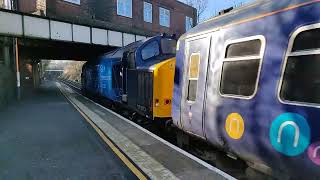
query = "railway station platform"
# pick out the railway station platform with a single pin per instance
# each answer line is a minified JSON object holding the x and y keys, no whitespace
{"x":57,"y":133}
{"x":44,"y":137}
{"x":155,"y":157}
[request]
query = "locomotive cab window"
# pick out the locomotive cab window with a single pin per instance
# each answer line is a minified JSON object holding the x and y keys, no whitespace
{"x":241,"y":67}
{"x":168,"y":46}
{"x":193,"y":76}
{"x":151,"y":50}
{"x":301,"y":76}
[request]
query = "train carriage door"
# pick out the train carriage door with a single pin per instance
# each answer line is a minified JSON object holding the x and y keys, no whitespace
{"x":197,"y":55}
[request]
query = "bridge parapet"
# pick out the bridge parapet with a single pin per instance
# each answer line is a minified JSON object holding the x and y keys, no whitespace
{"x":18,"y":24}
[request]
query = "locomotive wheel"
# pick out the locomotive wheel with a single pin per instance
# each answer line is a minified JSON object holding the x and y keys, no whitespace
{"x":125,"y":113}
{"x":133,"y":117}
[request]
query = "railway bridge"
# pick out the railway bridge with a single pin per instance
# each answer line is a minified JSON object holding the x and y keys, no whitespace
{"x":34,"y":30}
{"x":27,"y":38}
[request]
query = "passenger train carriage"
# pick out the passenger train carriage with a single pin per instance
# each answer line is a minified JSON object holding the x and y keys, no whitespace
{"x":248,"y":82}
{"x":138,"y":76}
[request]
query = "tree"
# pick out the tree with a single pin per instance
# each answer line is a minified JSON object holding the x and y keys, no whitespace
{"x":200,"y":5}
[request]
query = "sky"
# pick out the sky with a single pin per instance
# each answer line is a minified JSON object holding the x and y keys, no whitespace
{"x":214,"y":6}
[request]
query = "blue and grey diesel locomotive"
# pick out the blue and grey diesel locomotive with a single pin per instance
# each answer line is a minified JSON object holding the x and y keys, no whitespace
{"x":138,"y":77}
{"x":248,"y":82}
{"x":102,"y":77}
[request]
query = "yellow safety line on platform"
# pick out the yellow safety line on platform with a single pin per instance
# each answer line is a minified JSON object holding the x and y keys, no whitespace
{"x":114,"y":148}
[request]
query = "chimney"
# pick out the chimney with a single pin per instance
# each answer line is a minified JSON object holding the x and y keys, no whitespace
{"x":225,"y":11}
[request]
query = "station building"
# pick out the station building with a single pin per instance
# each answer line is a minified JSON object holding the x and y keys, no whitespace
{"x":143,"y":17}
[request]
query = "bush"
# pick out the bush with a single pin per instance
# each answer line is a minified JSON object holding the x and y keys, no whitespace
{"x":73,"y":71}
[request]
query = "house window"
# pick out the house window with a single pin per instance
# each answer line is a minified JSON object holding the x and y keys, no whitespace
{"x":73,"y":1}
{"x":189,"y":23}
{"x":193,"y":76}
{"x":124,"y":8}
{"x":7,"y":4}
{"x":300,"y":79}
{"x":147,"y":11}
{"x":241,"y":68}
{"x":164,"y":17}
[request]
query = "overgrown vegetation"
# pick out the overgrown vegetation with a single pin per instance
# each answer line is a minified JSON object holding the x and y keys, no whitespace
{"x":73,"y":71}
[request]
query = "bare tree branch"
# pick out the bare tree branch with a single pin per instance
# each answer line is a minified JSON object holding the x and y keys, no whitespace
{"x":200,"y":5}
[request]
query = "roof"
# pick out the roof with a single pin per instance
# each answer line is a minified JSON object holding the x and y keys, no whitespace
{"x":252,"y":10}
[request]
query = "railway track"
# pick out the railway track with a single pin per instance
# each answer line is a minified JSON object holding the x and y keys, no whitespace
{"x":226,"y":162}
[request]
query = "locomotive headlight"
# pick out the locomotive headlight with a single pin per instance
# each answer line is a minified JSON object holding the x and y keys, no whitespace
{"x":167,"y":101}
{"x":157,"y":102}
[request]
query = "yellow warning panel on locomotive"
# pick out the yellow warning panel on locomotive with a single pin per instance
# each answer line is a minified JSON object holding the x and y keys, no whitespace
{"x":163,"y":88}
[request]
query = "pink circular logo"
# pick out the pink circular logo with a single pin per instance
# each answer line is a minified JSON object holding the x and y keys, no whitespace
{"x":314,"y":153}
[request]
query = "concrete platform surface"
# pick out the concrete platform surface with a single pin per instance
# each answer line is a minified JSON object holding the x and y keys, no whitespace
{"x":45,"y":137}
{"x":157,"y":158}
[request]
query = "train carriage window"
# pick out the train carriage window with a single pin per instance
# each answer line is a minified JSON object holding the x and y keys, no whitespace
{"x":301,"y":76}
{"x":241,"y":66}
{"x":307,"y":40}
{"x":248,"y":48}
{"x":151,"y":50}
{"x":193,"y":76}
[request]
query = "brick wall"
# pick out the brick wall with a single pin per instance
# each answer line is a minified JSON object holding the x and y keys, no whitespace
{"x":103,"y":13}
{"x":28,"y":6}
{"x":63,"y":9}
{"x":33,"y":6}
{"x":178,"y":13}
